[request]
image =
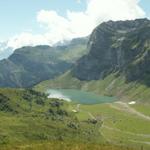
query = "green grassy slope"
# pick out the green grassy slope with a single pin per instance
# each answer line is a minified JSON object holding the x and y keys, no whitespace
{"x":119,"y":126}
{"x":27,"y":116}
{"x":123,"y":124}
{"x":57,"y":145}
{"x":28,"y":120}
{"x":111,"y":85}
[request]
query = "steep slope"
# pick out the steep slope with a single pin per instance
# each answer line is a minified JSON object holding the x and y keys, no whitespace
{"x":117,"y":63}
{"x":121,"y":46}
{"x":29,"y":65}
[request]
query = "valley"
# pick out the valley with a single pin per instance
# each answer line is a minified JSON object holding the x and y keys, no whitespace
{"x":90,"y":93}
{"x":78,"y":96}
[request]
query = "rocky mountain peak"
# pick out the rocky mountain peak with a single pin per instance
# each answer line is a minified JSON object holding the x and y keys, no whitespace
{"x":121,"y":46}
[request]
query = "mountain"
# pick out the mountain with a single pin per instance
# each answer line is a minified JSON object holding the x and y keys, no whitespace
{"x":29,"y":65}
{"x":122,"y":46}
{"x":116,"y":65}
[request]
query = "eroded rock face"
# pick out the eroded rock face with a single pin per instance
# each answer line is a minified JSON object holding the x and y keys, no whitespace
{"x":121,"y":46}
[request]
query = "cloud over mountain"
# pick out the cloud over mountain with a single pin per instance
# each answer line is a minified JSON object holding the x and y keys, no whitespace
{"x":77,"y":24}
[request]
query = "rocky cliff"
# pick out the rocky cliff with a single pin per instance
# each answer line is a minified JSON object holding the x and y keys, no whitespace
{"x":122,"y":46}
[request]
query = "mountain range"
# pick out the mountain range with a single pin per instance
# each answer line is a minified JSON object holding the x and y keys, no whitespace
{"x":116,"y":63}
{"x":28,"y":66}
{"x":121,"y":47}
{"x":96,"y":92}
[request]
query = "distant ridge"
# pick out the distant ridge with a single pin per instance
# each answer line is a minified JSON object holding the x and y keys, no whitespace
{"x":29,"y":65}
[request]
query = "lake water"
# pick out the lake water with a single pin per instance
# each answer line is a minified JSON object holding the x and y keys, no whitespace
{"x":79,"y":96}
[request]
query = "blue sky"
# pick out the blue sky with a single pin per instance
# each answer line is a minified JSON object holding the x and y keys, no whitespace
{"x":145,"y":4}
{"x":20,"y":16}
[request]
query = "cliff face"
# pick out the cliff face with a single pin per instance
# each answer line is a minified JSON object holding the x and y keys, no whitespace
{"x":122,"y":46}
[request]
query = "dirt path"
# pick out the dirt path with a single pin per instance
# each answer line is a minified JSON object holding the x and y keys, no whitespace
{"x":125,"y":107}
{"x":121,"y":107}
{"x":125,"y":132}
{"x":78,"y":107}
{"x":89,"y":113}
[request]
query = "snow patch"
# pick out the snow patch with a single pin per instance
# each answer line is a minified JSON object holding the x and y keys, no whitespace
{"x":59,"y":96}
{"x":75,"y":111}
{"x":132,"y":103}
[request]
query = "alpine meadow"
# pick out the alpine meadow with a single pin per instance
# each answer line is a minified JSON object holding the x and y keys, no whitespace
{"x":75,"y":75}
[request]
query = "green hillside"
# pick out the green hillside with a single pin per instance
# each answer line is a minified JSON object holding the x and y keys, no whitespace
{"x":29,"y":120}
{"x":112,"y":85}
{"x":30,"y":117}
{"x":123,"y":124}
{"x":113,"y":63}
{"x":28,"y":66}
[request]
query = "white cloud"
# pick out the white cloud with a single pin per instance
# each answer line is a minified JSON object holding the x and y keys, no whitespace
{"x":78,"y":24}
{"x":27,"y":39}
{"x":103,"y":10}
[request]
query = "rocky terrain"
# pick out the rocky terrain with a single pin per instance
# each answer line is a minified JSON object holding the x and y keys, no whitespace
{"x":122,"y":46}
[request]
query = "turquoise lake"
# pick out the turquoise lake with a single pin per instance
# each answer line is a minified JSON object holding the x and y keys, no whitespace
{"x":79,"y":96}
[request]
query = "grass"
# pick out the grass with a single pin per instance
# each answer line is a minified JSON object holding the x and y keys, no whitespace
{"x":51,"y":124}
{"x":117,"y":119}
{"x":112,"y":85}
{"x":59,"y":145}
{"x":145,"y":108}
{"x":64,"y":81}
{"x":119,"y":127}
{"x":33,"y":118}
